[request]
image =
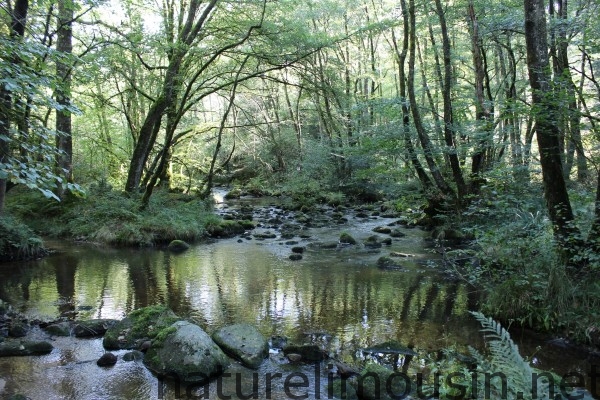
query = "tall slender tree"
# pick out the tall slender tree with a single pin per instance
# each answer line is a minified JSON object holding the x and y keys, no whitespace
{"x":18,"y":21}
{"x":64,"y":137}
{"x":546,"y":114}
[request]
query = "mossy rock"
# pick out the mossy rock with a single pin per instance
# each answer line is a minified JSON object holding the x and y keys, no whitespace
{"x":178,"y":246}
{"x":233,"y":194}
{"x":382,"y":229}
{"x":59,"y":328}
{"x":228,"y":228}
{"x":139,"y":326}
{"x":346,"y":238}
{"x":247,"y":224}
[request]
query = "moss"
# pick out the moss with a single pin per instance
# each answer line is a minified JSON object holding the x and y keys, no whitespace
{"x":142,"y":324}
{"x":160,"y":337}
{"x":228,"y":228}
{"x":347,"y":238}
{"x":148,"y":321}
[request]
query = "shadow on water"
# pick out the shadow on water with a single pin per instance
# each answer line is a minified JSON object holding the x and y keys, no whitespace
{"x":338,"y":294}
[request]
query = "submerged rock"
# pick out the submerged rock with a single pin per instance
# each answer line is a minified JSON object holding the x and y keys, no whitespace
{"x":372,"y":242}
{"x":388,"y":263}
{"x":185,"y":352}
{"x":178,"y":246}
{"x":295,"y":257}
{"x":59,"y":328}
{"x":24,"y":348}
{"x":308,"y":352}
{"x":324,"y":245}
{"x":93,"y":327}
{"x":373,"y":384}
{"x":134,"y":355}
{"x":397,"y":233}
{"x":382,"y":229}
{"x":18,"y":329}
{"x":244,"y":343}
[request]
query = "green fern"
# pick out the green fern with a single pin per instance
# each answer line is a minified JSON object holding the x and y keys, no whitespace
{"x":506,"y":359}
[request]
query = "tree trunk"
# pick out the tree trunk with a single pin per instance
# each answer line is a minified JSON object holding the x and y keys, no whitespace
{"x":18,"y":22}
{"x":428,"y":148}
{"x":449,"y":135}
{"x":401,"y":55}
{"x":548,"y":136}
{"x":482,"y":112}
{"x":64,"y":139}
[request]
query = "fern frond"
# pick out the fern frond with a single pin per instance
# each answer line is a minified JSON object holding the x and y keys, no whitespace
{"x":505,"y":355}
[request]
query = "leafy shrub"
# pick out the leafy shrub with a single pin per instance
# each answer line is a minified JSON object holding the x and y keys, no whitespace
{"x":17,"y":241}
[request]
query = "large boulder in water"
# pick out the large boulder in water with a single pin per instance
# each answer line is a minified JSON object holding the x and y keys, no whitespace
{"x":185,"y":352}
{"x":243,"y":342}
{"x":139,"y":326}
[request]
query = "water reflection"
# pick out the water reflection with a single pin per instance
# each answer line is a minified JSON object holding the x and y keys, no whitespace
{"x":337,"y":294}
{"x":226,"y":282}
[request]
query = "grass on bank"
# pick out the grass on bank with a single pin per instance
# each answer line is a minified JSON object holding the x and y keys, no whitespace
{"x":112,"y":217}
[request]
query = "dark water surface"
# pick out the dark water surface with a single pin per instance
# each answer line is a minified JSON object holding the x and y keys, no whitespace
{"x":338,"y":296}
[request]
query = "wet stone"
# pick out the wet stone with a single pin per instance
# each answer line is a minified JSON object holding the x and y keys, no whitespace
{"x":107,"y":360}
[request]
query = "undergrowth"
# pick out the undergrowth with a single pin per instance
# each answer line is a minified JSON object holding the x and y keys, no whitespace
{"x":519,"y":271}
{"x":111,"y":217}
{"x":18,"y":241}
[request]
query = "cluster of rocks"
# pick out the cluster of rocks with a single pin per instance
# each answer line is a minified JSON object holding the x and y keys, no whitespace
{"x":13,"y":331}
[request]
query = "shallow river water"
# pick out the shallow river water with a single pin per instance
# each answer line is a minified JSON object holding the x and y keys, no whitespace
{"x":335,"y":296}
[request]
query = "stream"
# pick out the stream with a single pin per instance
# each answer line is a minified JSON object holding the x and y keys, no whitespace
{"x":337,"y":297}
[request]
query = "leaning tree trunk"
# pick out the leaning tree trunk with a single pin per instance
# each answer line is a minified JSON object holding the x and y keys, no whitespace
{"x":401,"y":55}
{"x":546,"y":113}
{"x":428,"y":148}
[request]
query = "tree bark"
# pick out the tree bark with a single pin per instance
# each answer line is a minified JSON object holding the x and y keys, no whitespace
{"x":18,"y":23}
{"x":64,"y":138}
{"x":428,"y":148}
{"x":401,"y":59}
{"x":449,"y":134}
{"x":546,"y":113}
{"x":171,"y":84}
{"x":482,"y":112}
